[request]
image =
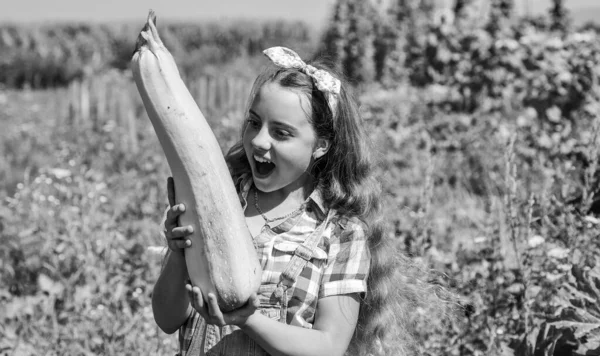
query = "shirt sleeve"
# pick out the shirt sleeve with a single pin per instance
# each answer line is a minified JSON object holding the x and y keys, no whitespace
{"x":348,"y":261}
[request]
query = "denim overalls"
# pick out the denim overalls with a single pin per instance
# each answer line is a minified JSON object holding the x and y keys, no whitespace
{"x":230,"y":340}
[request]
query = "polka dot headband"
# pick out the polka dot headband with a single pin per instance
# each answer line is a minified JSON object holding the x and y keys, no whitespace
{"x":329,"y":85}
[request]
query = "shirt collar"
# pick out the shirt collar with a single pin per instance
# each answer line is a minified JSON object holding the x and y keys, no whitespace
{"x":315,"y":198}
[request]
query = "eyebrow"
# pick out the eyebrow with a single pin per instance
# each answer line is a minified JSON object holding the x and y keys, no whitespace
{"x":252,"y":112}
{"x":286,"y":125}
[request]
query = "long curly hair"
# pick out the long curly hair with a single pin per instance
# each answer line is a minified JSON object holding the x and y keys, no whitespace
{"x":396,"y":287}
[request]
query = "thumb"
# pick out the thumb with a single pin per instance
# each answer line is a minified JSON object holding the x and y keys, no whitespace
{"x":254,"y":301}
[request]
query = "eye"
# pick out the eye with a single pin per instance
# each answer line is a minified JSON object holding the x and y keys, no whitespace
{"x":282,"y":133}
{"x":253,"y":123}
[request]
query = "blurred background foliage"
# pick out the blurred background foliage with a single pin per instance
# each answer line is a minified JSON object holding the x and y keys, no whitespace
{"x":52,"y":55}
{"x":487,"y":126}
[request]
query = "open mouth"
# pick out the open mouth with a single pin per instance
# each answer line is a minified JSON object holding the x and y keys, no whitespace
{"x":264,"y":167}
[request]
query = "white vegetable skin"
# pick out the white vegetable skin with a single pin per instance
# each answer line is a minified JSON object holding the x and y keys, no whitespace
{"x":222,"y":258}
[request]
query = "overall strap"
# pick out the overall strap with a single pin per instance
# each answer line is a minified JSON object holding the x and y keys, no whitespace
{"x":302,"y":255}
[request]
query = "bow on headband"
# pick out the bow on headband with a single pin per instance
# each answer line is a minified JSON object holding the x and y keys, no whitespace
{"x":329,"y":85}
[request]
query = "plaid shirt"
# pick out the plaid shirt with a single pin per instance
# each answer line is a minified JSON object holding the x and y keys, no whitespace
{"x":340,"y":263}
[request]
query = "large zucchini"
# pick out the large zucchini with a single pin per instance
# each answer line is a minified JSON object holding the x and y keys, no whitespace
{"x":222,"y":258}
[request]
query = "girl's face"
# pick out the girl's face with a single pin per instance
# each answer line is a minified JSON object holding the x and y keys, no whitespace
{"x":279,"y":141}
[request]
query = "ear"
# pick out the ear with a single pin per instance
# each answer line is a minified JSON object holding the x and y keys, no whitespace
{"x":321,"y":148}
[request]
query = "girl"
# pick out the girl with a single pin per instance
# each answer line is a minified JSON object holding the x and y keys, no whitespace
{"x":303,"y":171}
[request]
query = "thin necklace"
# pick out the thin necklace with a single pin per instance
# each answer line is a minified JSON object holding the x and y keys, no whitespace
{"x":267,"y":220}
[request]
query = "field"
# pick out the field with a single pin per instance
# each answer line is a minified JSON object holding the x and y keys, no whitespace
{"x":494,"y":185}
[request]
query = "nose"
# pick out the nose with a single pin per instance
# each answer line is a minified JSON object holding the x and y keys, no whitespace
{"x":262,"y":140}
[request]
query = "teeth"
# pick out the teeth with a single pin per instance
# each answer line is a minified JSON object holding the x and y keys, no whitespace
{"x":261,"y":159}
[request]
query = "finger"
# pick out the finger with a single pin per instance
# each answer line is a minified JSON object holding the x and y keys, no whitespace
{"x":196,"y":300}
{"x":171,"y":191}
{"x":214,"y":311}
{"x":197,"y":293}
{"x":192,"y":299}
{"x":213,"y":306}
{"x":179,"y":244}
{"x":201,"y":305}
{"x":254,"y":301}
{"x":173,"y":213}
{"x":180,"y":232}
{"x":251,"y":306}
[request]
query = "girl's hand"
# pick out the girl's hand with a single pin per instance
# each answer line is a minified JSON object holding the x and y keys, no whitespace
{"x":211,"y":312}
{"x":176,"y":235}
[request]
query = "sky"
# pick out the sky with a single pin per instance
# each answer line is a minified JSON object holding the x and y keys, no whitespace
{"x":312,"y":11}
